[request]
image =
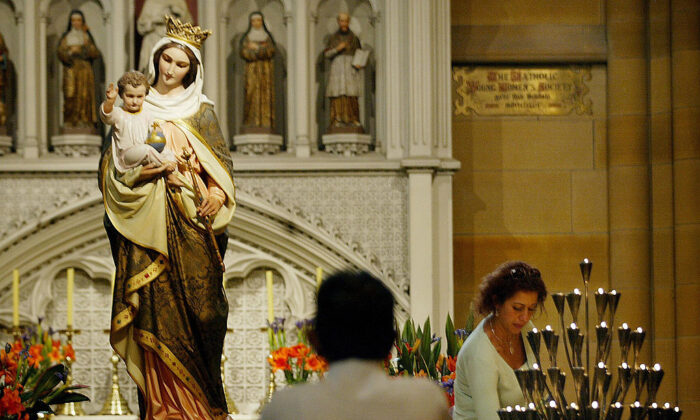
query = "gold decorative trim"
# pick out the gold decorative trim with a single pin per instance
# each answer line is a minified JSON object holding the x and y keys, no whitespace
{"x":146,"y":276}
{"x":149,"y":340}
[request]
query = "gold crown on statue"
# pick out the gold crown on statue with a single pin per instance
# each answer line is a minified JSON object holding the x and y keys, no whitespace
{"x":193,"y":35}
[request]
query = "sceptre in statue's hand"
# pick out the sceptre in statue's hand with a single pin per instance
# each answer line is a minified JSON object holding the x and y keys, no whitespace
{"x":206,"y":220}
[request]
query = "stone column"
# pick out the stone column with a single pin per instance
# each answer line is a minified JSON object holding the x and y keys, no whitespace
{"x":302,"y":107}
{"x":118,"y":41}
{"x":663,"y":343}
{"x":420,"y":165}
{"x":394,"y":89}
{"x":209,"y":20}
{"x":685,"y":56}
{"x":29,"y":118}
{"x":628,"y":161}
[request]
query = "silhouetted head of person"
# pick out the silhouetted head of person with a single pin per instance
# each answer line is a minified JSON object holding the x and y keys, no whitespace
{"x":354,"y":318}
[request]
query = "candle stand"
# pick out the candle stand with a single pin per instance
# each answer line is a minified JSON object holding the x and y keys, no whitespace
{"x":71,"y":408}
{"x":597,"y":396}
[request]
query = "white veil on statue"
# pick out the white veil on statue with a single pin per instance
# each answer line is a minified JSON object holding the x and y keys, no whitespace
{"x":168,"y":108}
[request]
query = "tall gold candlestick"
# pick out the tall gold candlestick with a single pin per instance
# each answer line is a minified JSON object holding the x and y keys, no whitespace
{"x":15,"y":298}
{"x":70,"y":278}
{"x":71,"y":408}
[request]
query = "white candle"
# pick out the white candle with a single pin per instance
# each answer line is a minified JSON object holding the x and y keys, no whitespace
{"x":15,"y":298}
{"x":70,"y":276}
{"x":319,"y":276}
{"x":270,"y":303}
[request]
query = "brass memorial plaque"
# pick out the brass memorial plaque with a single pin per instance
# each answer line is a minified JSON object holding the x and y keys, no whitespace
{"x":521,"y":90}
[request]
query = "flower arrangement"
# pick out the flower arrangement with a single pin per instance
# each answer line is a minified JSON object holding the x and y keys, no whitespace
{"x":298,"y":362}
{"x":418,"y":353}
{"x":31,"y":372}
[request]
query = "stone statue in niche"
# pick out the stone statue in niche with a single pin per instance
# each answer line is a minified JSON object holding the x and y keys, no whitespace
{"x":344,"y":80}
{"x":7,"y":96}
{"x":151,"y":27}
{"x":258,"y":49}
{"x":78,"y":52}
{"x":345,"y":134}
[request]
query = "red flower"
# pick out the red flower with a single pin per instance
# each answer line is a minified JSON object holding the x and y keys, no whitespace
{"x":68,"y":351}
{"x":299,"y":351}
{"x":279,"y":361}
{"x":35,"y":356}
{"x":451,"y":363}
{"x":10,"y":403}
{"x":56,"y":344}
{"x":55,"y":354}
{"x":315,"y":363}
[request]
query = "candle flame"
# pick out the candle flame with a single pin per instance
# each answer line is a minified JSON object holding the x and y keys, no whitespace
{"x":643,"y":366}
{"x":657,"y":367}
{"x":577,"y":292}
{"x":625,"y":326}
{"x":601,"y":365}
{"x":594,"y":404}
{"x":601,"y":291}
{"x":548,"y":327}
{"x":603,"y":324}
{"x":552,"y":404}
{"x":573,"y":326}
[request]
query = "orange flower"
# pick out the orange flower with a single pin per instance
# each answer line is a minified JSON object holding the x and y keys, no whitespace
{"x":299,"y":351}
{"x":55,"y":354}
{"x":35,"y":356}
{"x":452,"y":363}
{"x":10,"y":403}
{"x":68,"y":351}
{"x":17,"y":347}
{"x":446,"y":378}
{"x":9,"y":363}
{"x":56,"y":344}
{"x":315,"y":363}
{"x":421,"y":374}
{"x":278,"y":361}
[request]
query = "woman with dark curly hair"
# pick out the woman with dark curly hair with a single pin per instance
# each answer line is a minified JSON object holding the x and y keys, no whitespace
{"x":486,"y":364}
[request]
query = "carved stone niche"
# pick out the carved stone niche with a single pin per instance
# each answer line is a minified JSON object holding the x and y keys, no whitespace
{"x":76,"y":145}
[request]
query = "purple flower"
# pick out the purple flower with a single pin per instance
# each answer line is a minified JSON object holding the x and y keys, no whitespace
{"x":461,"y":333}
{"x":448,"y":384}
{"x":435,"y":339}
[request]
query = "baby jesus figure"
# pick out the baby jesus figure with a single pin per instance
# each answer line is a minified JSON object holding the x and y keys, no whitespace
{"x":132,"y":145}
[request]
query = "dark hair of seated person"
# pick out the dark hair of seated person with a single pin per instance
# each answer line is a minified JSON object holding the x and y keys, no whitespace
{"x":354,"y":318}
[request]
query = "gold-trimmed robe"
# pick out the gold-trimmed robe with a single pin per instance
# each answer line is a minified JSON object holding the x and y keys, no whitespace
{"x":171,"y":302}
